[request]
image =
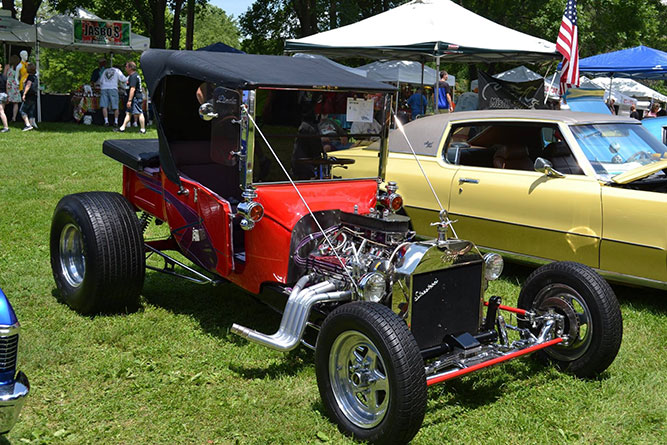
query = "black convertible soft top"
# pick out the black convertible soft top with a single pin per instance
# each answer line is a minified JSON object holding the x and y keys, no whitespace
{"x":251,"y":71}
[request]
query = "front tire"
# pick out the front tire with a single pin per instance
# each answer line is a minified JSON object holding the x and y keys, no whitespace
{"x":370,"y":374}
{"x":97,"y":252}
{"x":592,"y":315}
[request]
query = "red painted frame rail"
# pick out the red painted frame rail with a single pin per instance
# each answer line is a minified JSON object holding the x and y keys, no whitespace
{"x":509,"y":308}
{"x":453,"y":374}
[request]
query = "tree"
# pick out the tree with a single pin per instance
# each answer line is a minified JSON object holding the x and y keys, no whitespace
{"x":214,"y":25}
{"x":269,"y":22}
{"x":9,"y":6}
{"x":177,"y":6}
{"x":190,"y":25}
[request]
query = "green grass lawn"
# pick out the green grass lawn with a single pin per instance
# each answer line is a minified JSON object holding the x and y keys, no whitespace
{"x":172,"y":373}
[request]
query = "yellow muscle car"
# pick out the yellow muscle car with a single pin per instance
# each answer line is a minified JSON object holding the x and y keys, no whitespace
{"x":538,"y":186}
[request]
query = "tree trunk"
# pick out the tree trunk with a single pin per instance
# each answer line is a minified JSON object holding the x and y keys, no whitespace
{"x":9,"y":6}
{"x":190,"y":25}
{"x":333,"y":14}
{"x":176,"y":28}
{"x":306,"y":12}
{"x":151,"y":14}
{"x":29,"y":11}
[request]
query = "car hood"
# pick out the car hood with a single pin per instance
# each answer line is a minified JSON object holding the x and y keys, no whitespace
{"x":639,"y":172}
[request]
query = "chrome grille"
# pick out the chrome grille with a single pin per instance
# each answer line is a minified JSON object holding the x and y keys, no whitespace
{"x":8,"y":349}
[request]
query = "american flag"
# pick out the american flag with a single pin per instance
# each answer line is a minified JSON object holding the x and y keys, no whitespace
{"x":568,"y":45}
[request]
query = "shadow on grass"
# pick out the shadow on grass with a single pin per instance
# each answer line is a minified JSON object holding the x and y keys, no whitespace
{"x":642,"y":298}
{"x":292,"y":363}
{"x":485,"y":386}
{"x":216,"y":308}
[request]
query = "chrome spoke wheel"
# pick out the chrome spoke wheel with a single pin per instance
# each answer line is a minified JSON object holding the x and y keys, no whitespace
{"x":359,"y":379}
{"x":71,"y":254}
{"x":577,"y":327}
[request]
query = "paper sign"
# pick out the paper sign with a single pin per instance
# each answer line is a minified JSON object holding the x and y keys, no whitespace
{"x":359,"y":110}
{"x":102,"y":32}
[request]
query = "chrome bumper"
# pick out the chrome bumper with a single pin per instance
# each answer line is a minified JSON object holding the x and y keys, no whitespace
{"x":12,"y":398}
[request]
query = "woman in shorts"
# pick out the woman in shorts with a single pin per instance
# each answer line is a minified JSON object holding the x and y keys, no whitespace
{"x":3,"y":100}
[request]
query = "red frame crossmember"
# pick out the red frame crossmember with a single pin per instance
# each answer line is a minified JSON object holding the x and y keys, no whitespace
{"x":509,"y":308}
{"x":453,"y":374}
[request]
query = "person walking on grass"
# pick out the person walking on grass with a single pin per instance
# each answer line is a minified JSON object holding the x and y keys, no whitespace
{"x":135,"y":98}
{"x":29,"y":97}
{"x":3,"y":101}
{"x":13,"y":91}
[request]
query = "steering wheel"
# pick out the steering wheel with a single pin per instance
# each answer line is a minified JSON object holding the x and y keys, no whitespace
{"x":324,"y":165}
{"x":325,"y":161}
{"x":640,"y":155}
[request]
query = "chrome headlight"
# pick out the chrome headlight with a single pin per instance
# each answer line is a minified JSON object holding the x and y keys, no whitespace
{"x":373,"y":287}
{"x":493,"y":266}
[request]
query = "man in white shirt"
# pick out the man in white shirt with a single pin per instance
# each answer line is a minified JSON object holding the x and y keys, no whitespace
{"x":109,"y":92}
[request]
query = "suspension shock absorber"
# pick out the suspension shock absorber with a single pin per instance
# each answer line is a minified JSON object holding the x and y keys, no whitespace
{"x":144,"y":220}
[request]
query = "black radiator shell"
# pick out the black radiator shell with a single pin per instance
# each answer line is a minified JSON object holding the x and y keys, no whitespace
{"x":450,"y":306}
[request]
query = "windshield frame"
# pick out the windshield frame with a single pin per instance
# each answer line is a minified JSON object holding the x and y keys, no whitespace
{"x":250,"y":136}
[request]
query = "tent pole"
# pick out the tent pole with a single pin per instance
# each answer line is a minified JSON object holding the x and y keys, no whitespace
{"x":436,"y":91}
{"x":39,"y":81}
{"x":423,"y":91}
{"x":398,"y":97}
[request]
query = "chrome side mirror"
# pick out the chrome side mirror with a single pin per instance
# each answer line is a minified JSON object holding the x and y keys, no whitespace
{"x":207,"y":111}
{"x":544,"y":166}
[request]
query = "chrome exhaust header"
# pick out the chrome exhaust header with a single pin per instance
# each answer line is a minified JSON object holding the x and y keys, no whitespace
{"x":295,"y":317}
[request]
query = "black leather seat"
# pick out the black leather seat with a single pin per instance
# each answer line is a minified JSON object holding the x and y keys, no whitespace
{"x":514,"y":157}
{"x":561,"y":158}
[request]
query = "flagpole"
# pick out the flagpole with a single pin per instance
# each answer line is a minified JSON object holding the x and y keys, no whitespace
{"x":546,"y":96}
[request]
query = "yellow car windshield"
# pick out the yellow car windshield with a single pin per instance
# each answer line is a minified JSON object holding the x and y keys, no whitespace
{"x":613,"y":149}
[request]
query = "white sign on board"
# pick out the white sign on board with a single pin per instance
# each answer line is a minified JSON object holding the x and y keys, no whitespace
{"x":359,"y":110}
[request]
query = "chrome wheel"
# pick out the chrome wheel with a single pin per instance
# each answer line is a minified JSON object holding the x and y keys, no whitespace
{"x":359,"y":379}
{"x":71,"y":254}
{"x":577,"y":327}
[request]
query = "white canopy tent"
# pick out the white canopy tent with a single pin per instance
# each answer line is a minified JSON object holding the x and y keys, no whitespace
{"x":518,"y":74}
{"x":427,"y":30}
{"x":401,"y":71}
{"x":58,"y":32}
{"x":631,"y":87}
{"x":357,"y":71}
{"x":15,"y":32}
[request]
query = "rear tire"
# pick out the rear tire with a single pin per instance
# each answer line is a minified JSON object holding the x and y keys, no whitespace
{"x":592,"y":315}
{"x":97,"y":253}
{"x":370,"y":374}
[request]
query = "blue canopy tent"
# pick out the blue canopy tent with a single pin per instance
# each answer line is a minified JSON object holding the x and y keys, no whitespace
{"x":221,"y":48}
{"x":640,"y":62}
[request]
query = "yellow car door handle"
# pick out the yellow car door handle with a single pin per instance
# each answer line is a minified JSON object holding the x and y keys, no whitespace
{"x":468,"y":180}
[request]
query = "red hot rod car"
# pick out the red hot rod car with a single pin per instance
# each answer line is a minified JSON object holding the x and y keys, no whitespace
{"x":244,"y":175}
